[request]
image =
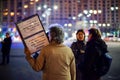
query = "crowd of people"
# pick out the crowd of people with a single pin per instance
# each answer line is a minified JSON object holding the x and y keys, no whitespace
{"x":60,"y":62}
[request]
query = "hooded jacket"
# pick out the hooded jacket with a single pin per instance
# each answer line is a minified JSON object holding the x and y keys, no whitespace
{"x":91,"y":54}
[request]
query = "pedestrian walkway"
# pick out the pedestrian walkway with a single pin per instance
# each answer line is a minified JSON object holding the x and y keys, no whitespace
{"x":17,"y":49}
{"x":18,"y":68}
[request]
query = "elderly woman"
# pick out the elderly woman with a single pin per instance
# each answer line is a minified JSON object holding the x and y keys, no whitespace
{"x":55,"y":60}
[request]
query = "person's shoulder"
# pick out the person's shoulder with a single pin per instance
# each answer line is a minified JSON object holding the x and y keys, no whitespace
{"x":101,"y":42}
{"x":67,"y":48}
{"x":46,"y":46}
{"x":73,"y":43}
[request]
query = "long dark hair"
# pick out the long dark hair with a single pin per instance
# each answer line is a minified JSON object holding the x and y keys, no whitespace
{"x":95,"y":33}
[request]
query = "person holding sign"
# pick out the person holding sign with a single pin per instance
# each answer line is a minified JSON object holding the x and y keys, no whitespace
{"x":56,"y":60}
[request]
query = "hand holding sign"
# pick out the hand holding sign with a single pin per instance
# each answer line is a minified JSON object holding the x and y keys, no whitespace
{"x":32,"y":33}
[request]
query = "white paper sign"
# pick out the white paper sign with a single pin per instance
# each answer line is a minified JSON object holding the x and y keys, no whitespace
{"x":32,"y":33}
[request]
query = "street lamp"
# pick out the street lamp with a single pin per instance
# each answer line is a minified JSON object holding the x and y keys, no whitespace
{"x":25,"y":6}
{"x":84,"y":19}
{"x":55,"y":7}
{"x":12,"y":14}
{"x":46,"y":14}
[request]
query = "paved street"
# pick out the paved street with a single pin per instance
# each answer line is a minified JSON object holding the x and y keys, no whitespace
{"x":19,"y":69}
{"x":114,"y":73}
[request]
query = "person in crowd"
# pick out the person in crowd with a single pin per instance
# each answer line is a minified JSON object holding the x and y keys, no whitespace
{"x":78,"y":49}
{"x":6,"y":46}
{"x":56,"y":60}
{"x":91,"y":54}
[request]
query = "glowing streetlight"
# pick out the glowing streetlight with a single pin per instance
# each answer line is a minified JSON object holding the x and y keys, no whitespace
{"x":73,"y":18}
{"x":65,"y":24}
{"x":108,"y":24}
{"x":91,"y":21}
{"x":90,"y":11}
{"x":31,"y":2}
{"x":80,"y":15}
{"x":95,"y":11}
{"x":104,"y":24}
{"x":36,"y":0}
{"x":49,"y":9}
{"x":116,"y":8}
{"x":12,"y":14}
{"x":45,"y":6}
{"x":25,"y":6}
{"x":99,"y":24}
{"x":99,"y":11}
{"x":85,"y":12}
{"x":47,"y":13}
{"x":43,"y":15}
{"x":95,"y":21}
{"x":88,"y":15}
{"x":5,"y":13}
{"x":55,"y":7}
{"x":39,"y":8}
{"x":69,"y":25}
{"x":91,"y":24}
{"x":112,"y":8}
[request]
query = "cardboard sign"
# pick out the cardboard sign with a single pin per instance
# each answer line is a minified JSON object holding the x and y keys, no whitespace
{"x":32,"y":33}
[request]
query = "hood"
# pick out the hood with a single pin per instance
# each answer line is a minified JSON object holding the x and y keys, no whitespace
{"x":100,"y":44}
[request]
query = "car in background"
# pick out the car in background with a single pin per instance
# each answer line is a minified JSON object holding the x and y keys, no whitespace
{"x":111,"y":38}
{"x":108,"y":38}
{"x":118,"y":39}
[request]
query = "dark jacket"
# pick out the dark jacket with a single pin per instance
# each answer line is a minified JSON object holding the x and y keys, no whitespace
{"x":78,"y":49}
{"x":91,"y":54}
{"x":6,"y":45}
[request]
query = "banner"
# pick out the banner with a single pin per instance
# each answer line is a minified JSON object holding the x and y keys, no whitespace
{"x":32,"y":33}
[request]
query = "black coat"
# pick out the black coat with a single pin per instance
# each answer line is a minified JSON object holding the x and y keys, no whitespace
{"x":78,"y":49}
{"x":6,"y":45}
{"x":91,"y":54}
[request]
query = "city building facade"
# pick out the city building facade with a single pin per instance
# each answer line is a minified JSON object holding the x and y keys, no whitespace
{"x":104,"y":13}
{"x":72,"y":14}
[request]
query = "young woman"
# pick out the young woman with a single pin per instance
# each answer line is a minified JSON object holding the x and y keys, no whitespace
{"x":78,"y":49}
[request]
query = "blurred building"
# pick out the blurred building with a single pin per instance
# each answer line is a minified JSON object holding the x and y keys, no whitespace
{"x":69,"y":13}
{"x":104,"y":13}
{"x":0,"y":12}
